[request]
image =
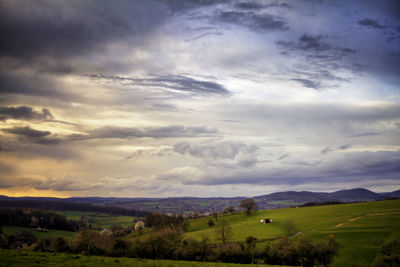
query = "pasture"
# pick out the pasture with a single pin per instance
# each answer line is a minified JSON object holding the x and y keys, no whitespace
{"x":360,"y":228}
{"x":102,"y":219}
{"x":14,"y":230}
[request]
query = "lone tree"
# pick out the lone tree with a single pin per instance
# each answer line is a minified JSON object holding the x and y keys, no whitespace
{"x":224,"y":232}
{"x":248,"y":205}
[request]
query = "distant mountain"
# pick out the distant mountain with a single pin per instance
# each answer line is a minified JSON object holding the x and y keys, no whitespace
{"x":292,"y":198}
{"x":356,"y":194}
{"x":207,"y":205}
{"x":394,"y":194}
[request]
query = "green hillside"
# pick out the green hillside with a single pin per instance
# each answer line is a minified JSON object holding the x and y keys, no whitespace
{"x":360,"y":228}
{"x":104,"y":220}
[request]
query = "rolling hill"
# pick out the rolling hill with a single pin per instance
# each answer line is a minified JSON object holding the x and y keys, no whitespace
{"x":206,"y":205}
{"x":360,"y":228}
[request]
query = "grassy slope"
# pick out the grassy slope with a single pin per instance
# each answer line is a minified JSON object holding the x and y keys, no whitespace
{"x":361,"y":228}
{"x":13,"y":230}
{"x":14,"y":258}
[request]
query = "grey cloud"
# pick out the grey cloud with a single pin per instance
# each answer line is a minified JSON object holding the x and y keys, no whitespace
{"x":344,"y":147}
{"x":70,"y":28}
{"x":39,"y":86}
{"x":33,"y":136}
{"x":367,"y":22}
{"x":6,"y":169}
{"x":179,"y":6}
{"x":258,"y":6}
{"x":223,"y":150}
{"x":247,"y":162}
{"x":253,"y":21}
{"x":152,"y":132}
{"x":24,"y":113}
{"x":328,"y":149}
{"x":47,"y":138}
{"x":178,"y":83}
{"x":319,"y":63}
{"x":27,"y":131}
{"x":327,"y":120}
{"x":318,"y":113}
{"x":148,"y":152}
{"x":364,"y":134}
{"x":353,"y":167}
{"x":204,"y":35}
{"x":67,"y":183}
{"x":283,"y":156}
{"x":308,"y":83}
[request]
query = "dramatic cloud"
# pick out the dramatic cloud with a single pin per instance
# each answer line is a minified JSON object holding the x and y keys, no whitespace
{"x":198,"y":97}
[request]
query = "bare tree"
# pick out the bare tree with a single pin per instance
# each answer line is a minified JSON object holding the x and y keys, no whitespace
{"x":249,"y":205}
{"x":224,"y":231}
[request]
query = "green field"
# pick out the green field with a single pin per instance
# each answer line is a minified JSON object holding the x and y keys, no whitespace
{"x":13,"y":230}
{"x":105,"y":220}
{"x":14,"y":258}
{"x":360,"y":228}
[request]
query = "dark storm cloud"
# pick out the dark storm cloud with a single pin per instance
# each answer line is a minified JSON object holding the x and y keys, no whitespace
{"x":24,"y":113}
{"x":178,"y":83}
{"x":152,"y":132}
{"x":253,"y":21}
{"x":224,"y":150}
{"x":69,"y":28}
{"x":371,"y":23}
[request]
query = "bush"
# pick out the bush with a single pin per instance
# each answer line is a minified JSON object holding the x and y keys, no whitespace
{"x":60,"y":245}
{"x":27,"y":237}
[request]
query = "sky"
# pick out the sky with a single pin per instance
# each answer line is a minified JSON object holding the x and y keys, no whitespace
{"x":198,"y":98}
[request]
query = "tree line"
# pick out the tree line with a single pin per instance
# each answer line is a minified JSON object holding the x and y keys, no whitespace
{"x":75,"y":206}
{"x":39,"y":219}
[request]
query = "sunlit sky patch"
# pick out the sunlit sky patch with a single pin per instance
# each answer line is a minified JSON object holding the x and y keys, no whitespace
{"x":198,"y":98}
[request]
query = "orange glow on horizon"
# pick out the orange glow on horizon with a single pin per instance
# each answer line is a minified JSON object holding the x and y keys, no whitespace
{"x":32,"y":192}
